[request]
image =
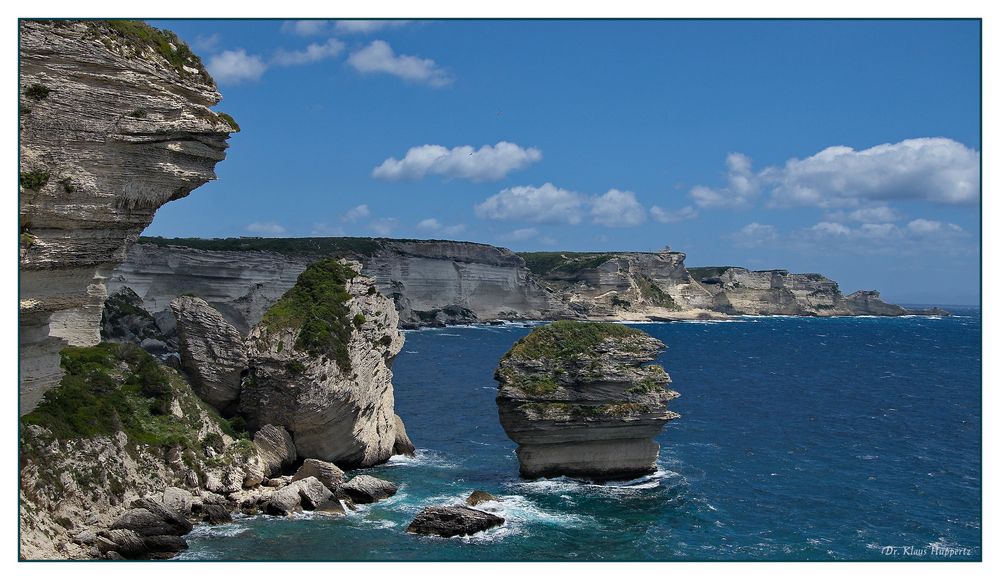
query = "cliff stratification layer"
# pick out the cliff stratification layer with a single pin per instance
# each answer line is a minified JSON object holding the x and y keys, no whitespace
{"x":115,"y":122}
{"x":580,"y":400}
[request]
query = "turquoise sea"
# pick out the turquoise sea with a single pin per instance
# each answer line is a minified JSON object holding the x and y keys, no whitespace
{"x":800,"y":439}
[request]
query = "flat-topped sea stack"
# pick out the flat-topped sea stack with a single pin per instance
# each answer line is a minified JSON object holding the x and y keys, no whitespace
{"x":581,"y":400}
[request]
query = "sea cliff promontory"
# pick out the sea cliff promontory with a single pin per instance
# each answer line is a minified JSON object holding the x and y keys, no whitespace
{"x":581,"y":400}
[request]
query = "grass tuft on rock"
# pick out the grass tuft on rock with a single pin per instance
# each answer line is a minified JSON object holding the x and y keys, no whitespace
{"x":139,"y":35}
{"x":37,"y":91}
{"x":316,"y":306}
{"x":34,"y":180}
{"x":568,"y":338}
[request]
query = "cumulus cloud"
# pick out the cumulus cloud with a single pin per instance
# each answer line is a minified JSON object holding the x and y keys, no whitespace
{"x":356,"y":213}
{"x":235,"y":66}
{"x":617,"y":209}
{"x":874,"y":214}
{"x":668,"y":217}
{"x":433,"y":225}
{"x":545,"y":204}
{"x":268,"y":228}
{"x":305,"y":27}
{"x":754,"y":234}
{"x":367,"y":26}
{"x":919,"y":236}
{"x":312,"y":53}
{"x":384,"y":226}
{"x":489,"y":162}
{"x":935,"y":169}
{"x":378,"y":57}
{"x":740,"y":189}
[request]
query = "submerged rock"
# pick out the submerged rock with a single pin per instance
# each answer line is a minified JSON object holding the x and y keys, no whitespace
{"x":368,"y":489}
{"x":320,"y":366}
{"x":477,"y":497}
{"x":211,"y":352}
{"x":580,"y":400}
{"x":449,"y":521}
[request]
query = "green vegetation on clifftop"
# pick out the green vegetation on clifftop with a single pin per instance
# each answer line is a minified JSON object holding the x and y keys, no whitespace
{"x":115,"y":387}
{"x":542,"y":263}
{"x":316,"y":306}
{"x":567,"y":338}
{"x":328,"y":247}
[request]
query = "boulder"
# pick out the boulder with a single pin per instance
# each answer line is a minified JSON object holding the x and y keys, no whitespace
{"x":211,"y":352}
{"x":402,"y":445}
{"x":581,"y":400}
{"x":306,"y":493}
{"x":284,"y":502}
{"x":275,"y":447}
{"x":163,"y":547}
{"x":368,"y":489}
{"x":449,"y":521}
{"x":215,"y":514}
{"x":168,"y":516}
{"x":126,"y":543}
{"x":144,"y":523}
{"x":179,"y":500}
{"x":327,"y":473}
{"x":332,"y":507}
{"x":312,"y":492}
{"x":477,"y":497}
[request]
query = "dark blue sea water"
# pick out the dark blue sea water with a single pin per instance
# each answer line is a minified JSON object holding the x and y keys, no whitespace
{"x":800,"y":439}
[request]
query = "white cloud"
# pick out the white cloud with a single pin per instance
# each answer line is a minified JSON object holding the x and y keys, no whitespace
{"x":367,"y":26}
{"x":378,"y":57}
{"x":206,"y":43}
{"x":754,"y":234}
{"x":356,"y":213}
{"x":312,"y":53}
{"x":433,"y":225}
{"x":831,"y":228}
{"x":520,"y":235}
{"x":489,"y":162}
{"x":668,"y":217}
{"x":880,"y":214}
{"x":920,"y":236}
{"x":545,"y":204}
{"x":429,"y":224}
{"x":235,"y":66}
{"x":617,"y":209}
{"x":384,"y":226}
{"x":741,"y":186}
{"x":269,"y":228}
{"x":935,"y":169}
{"x":923,"y":227}
{"x":305,"y":27}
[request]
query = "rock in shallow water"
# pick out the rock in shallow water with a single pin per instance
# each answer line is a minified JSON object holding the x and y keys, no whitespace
{"x":477,"y":497}
{"x":580,"y":400}
{"x":449,"y":521}
{"x":368,"y":489}
{"x":327,"y":473}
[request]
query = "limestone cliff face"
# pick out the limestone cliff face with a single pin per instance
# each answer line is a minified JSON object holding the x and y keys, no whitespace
{"x":115,"y":122}
{"x":580,"y":400}
{"x":329,"y":385}
{"x":768,"y":292}
{"x":435,"y":282}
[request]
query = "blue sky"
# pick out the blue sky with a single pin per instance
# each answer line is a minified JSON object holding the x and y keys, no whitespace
{"x":849,"y":148}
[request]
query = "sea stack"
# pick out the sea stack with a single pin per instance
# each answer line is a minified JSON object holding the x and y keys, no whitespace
{"x":320,"y":366}
{"x":581,"y":400}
